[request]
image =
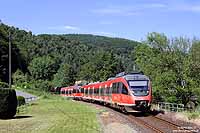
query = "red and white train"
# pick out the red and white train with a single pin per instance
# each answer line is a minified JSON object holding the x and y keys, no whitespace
{"x":129,"y":92}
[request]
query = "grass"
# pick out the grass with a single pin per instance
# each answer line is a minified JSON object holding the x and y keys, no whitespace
{"x":195,"y":114}
{"x":53,"y":114}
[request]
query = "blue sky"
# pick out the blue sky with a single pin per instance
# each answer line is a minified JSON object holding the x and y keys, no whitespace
{"x":131,"y":19}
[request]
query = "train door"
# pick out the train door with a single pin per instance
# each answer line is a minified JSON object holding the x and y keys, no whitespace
{"x":119,"y":88}
{"x":100,"y":94}
{"x":93,"y":92}
{"x":84,"y":94}
{"x":110,"y":93}
{"x":105,"y":93}
{"x":125,"y":98}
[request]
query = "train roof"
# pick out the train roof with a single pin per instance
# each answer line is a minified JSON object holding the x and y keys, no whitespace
{"x":130,"y":76}
{"x":120,"y":76}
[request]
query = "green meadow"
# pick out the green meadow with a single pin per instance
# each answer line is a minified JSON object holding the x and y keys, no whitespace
{"x":52,"y":114}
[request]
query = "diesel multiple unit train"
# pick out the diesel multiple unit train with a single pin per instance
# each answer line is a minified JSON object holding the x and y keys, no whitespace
{"x":129,"y":92}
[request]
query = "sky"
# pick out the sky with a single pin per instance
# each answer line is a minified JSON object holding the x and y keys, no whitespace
{"x":131,"y":19}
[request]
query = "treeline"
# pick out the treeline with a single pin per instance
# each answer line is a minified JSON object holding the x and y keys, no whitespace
{"x":173,"y":66}
{"x":44,"y":61}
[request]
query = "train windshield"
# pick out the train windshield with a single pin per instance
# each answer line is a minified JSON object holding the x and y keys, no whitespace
{"x":139,"y":87}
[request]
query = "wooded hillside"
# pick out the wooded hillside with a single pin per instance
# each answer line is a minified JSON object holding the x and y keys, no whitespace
{"x":44,"y":61}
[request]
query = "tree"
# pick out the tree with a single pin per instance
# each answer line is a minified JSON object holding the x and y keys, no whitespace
{"x":169,"y":63}
{"x":65,"y":76}
{"x":43,"y":68}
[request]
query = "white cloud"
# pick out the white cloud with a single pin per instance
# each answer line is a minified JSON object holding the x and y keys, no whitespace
{"x":117,"y":11}
{"x":71,"y":27}
{"x":190,"y":8}
{"x":67,"y":27}
{"x":154,"y":5}
{"x":139,"y":9}
{"x":128,"y":10}
{"x":104,"y":33}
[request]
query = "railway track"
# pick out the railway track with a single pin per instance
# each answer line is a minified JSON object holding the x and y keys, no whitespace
{"x":147,"y":123}
{"x":150,"y":123}
{"x":144,"y":124}
{"x":157,"y":124}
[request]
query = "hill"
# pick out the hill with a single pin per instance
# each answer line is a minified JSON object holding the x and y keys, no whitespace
{"x":74,"y":52}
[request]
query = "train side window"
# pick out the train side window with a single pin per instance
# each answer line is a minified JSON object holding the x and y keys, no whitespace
{"x":82,"y":90}
{"x":97,"y":91}
{"x":124,"y":89}
{"x":114,"y":88}
{"x":106,"y":90}
{"x":102,"y":89}
{"x":110,"y":91}
{"x":87,"y":91}
{"x":117,"y":87}
{"x":90,"y":92}
{"x":120,"y":84}
{"x":93,"y":91}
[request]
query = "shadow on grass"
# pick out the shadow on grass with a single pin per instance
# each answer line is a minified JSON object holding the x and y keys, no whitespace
{"x":17,"y":117}
{"x":22,"y":117}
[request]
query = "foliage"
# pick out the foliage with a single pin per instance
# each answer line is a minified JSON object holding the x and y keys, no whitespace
{"x":100,"y":67}
{"x":41,"y":62}
{"x":19,"y":78}
{"x":3,"y":85}
{"x":173,"y":66}
{"x":64,"y":76}
{"x":42,"y":68}
{"x":8,"y":103}
{"x":61,"y":59}
{"x":17,"y":59}
{"x":21,"y":100}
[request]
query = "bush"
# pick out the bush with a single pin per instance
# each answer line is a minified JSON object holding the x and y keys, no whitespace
{"x":3,"y":85}
{"x":8,"y":103}
{"x":21,"y":100}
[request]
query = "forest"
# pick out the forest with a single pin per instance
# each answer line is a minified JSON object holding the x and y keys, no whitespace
{"x":41,"y":62}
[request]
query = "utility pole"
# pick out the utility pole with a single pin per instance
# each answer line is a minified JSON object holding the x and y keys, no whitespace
{"x":10,"y":71}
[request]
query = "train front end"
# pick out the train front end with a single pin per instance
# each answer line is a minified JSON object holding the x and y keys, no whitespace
{"x":140,"y":89}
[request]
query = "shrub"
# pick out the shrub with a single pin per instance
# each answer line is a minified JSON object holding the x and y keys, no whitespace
{"x":3,"y":85}
{"x":21,"y":100}
{"x":8,"y":103}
